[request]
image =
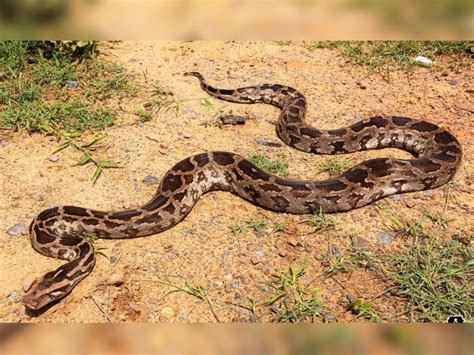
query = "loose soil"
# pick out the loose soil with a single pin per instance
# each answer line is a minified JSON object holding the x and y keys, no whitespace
{"x":201,"y":250}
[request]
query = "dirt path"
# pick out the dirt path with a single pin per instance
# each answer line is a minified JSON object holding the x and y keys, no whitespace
{"x":202,"y":250}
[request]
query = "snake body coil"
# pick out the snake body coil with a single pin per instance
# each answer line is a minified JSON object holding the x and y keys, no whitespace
{"x":60,"y":232}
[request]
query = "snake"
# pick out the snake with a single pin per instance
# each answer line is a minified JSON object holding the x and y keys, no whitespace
{"x":63,"y":231}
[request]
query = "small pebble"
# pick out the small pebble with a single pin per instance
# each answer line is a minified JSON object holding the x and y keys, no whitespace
{"x":219,"y":283}
{"x":373,"y":267}
{"x":427,"y":193}
{"x":17,"y":229}
{"x":151,"y":180}
{"x":360,"y":242}
{"x":234,"y":284}
{"x":53,"y":158}
{"x":329,"y":317}
{"x":396,"y":197}
{"x":453,"y":82}
{"x":186,"y":233}
{"x":116,"y":279}
{"x":335,"y":250}
{"x":14,"y":296}
{"x":113,"y":259}
{"x":167,"y":312}
{"x":138,"y":188}
{"x":267,"y":74}
{"x":409,"y":203}
{"x":187,"y":135}
{"x":351,"y":298}
{"x":292,"y":241}
{"x":133,"y":60}
{"x":260,"y":253}
{"x":232,"y":120}
{"x":268,"y":142}
{"x":255,"y":260}
{"x":361,"y":85}
{"x":385,"y":239}
{"x":228,"y":288}
{"x":282,"y":253}
{"x":72,"y":84}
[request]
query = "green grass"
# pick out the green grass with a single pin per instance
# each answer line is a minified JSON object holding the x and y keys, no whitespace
{"x":364,"y":309}
{"x":337,"y":263}
{"x":59,"y":88}
{"x":434,"y":277}
{"x":319,"y":221}
{"x":200,"y":292}
{"x":283,"y":43}
{"x":144,"y":115}
{"x":384,"y":56}
{"x":33,"y":91}
{"x":87,"y":156}
{"x":292,"y":301}
{"x":333,"y":166}
{"x":258,"y":224}
{"x":438,"y":219}
{"x":403,"y":225}
{"x":279,"y":227}
{"x":278,"y":166}
{"x":236,"y":229}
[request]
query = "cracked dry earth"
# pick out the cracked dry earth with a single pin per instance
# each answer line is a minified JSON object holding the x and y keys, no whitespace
{"x":201,"y":250}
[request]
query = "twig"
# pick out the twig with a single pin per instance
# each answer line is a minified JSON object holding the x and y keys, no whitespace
{"x":100,"y":308}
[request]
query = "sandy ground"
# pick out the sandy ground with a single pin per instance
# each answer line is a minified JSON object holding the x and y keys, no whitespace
{"x":201,"y":250}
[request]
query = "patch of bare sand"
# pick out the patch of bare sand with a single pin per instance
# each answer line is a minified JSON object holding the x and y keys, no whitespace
{"x":201,"y":249}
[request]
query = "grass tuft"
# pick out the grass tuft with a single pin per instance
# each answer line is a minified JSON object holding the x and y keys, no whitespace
{"x":320,"y":221}
{"x":434,"y":277}
{"x":333,"y":166}
{"x":279,"y":166}
{"x":292,"y":302}
{"x":384,"y":56}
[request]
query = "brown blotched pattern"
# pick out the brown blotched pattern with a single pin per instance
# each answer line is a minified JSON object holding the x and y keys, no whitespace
{"x":60,"y":231}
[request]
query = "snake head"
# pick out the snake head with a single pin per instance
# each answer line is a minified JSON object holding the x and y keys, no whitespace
{"x":46,"y":290}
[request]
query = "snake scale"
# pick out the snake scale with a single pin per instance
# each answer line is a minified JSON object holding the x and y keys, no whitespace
{"x":60,"y":232}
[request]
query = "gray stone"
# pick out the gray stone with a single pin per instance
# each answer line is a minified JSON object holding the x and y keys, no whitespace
{"x":385,"y":239}
{"x":453,"y":82}
{"x":151,"y":180}
{"x":260,"y":253}
{"x":18,"y":229}
{"x":232,"y":120}
{"x":268,"y":142}
{"x":427,"y":193}
{"x":329,"y":317}
{"x":53,"y":158}
{"x":361,"y":243}
{"x":335,"y":250}
{"x":138,"y":188}
{"x":396,"y":197}
{"x":372,"y":267}
{"x":72,"y":84}
{"x":14,"y":296}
